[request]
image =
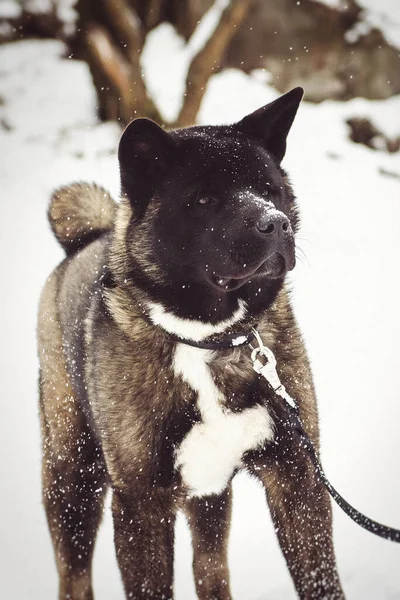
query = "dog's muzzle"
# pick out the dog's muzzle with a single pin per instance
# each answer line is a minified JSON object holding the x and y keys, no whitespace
{"x":267,"y":249}
{"x":274,"y":226}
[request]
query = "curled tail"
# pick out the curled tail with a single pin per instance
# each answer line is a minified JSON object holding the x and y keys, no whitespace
{"x":80,"y":213}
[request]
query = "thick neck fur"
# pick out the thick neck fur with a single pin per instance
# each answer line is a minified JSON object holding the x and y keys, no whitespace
{"x":142,"y":281}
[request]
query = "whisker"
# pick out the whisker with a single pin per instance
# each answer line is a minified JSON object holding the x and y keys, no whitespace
{"x":301,"y":256}
{"x":310,"y":237}
{"x":301,"y":260}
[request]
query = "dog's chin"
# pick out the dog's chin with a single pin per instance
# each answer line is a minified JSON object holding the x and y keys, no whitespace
{"x":275,"y":267}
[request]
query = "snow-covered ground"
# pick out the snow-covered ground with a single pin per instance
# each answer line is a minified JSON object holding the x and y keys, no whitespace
{"x":385,"y":15}
{"x":346,"y":295}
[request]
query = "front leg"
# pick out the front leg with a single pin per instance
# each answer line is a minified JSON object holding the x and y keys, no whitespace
{"x":209,"y":521}
{"x":144,"y":542}
{"x":301,"y":511}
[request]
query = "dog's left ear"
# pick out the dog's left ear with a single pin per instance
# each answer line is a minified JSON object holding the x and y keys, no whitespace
{"x":271,"y":123}
{"x":145,"y":154}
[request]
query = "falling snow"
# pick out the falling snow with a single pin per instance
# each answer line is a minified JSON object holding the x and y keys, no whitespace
{"x":347,"y":294}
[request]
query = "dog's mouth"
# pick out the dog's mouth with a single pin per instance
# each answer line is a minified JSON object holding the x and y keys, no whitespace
{"x":274,"y":267}
{"x":228,"y":284}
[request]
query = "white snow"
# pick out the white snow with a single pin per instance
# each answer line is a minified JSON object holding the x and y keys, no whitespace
{"x":346,"y":295}
{"x":383,"y":14}
{"x":64,"y":9}
{"x":166,"y":73}
{"x":9,"y":9}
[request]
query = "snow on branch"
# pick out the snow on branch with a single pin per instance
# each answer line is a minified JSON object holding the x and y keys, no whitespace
{"x":112,"y":38}
{"x":209,"y":57}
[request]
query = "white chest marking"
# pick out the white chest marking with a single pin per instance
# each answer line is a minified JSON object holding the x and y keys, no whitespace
{"x":190,"y":328}
{"x":213,"y":448}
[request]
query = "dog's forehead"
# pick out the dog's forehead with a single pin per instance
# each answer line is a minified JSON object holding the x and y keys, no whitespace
{"x":222,"y":151}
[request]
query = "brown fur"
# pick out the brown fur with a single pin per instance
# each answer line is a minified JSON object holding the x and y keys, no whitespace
{"x":72,"y":468}
{"x":133,"y":395}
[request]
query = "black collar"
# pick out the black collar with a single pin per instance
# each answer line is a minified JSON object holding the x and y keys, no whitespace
{"x":230,"y":340}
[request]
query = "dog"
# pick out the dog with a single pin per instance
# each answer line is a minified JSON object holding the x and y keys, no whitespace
{"x":138,"y":391}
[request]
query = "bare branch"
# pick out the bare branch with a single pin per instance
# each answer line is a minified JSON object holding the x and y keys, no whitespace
{"x":112,"y":43}
{"x":110,"y":72}
{"x":113,"y":37}
{"x":209,"y":58}
{"x":127,"y":24}
{"x":153,"y":14}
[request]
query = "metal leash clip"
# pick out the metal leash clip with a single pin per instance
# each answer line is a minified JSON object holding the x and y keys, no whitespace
{"x":268,"y":368}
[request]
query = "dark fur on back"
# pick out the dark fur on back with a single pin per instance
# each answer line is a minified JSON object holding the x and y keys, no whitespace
{"x":199,"y":246}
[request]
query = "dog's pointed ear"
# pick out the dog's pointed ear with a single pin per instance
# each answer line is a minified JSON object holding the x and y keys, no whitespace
{"x":271,"y":123}
{"x":145,"y":153}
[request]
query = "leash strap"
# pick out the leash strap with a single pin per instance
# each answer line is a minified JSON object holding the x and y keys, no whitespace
{"x":264,"y":363}
{"x":383,"y":531}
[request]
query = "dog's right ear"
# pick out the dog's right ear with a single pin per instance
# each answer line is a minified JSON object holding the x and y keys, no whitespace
{"x":270,"y":124}
{"x":145,"y":153}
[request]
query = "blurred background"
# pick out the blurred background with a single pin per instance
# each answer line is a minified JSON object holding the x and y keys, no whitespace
{"x":336,"y":49}
{"x":73,"y":73}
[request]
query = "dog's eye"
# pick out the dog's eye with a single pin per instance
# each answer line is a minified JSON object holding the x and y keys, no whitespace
{"x":203,"y":200}
{"x":270,"y":190}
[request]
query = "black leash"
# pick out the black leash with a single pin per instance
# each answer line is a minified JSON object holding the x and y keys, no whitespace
{"x":383,"y":531}
{"x":268,"y":370}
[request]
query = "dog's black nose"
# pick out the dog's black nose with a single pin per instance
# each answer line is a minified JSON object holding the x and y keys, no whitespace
{"x":274,"y":223}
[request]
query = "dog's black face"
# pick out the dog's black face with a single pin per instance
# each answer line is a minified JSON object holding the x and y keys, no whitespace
{"x":213,"y":210}
{"x":227,"y":210}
